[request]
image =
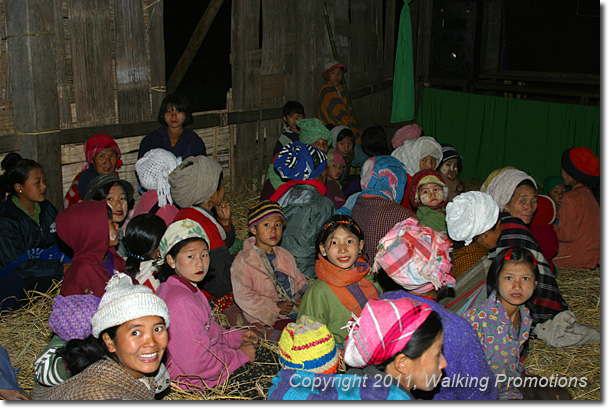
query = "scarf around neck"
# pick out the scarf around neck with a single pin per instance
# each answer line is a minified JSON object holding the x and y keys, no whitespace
{"x":350,"y":286}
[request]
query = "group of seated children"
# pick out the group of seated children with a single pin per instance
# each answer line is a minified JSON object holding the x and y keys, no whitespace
{"x":351,"y":252}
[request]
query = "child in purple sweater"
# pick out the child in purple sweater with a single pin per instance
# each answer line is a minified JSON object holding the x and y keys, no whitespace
{"x":200,"y":352}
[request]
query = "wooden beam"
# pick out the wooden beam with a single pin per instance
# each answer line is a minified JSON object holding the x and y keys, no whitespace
{"x":156,"y":51}
{"x":193,"y":45}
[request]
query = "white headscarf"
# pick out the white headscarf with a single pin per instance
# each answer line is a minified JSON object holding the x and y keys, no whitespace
{"x":411,"y":152}
{"x":502,"y":186}
{"x":153,"y":171}
{"x":470,"y":214}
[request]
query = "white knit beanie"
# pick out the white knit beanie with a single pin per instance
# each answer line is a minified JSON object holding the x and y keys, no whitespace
{"x":124,"y":301}
{"x":412,"y":151}
{"x":503,"y":185}
{"x":153,"y":171}
{"x":470,"y":214}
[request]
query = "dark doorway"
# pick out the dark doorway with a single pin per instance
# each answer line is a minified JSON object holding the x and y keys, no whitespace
{"x":209,"y":76}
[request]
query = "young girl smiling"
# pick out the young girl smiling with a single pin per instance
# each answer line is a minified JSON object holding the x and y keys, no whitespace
{"x":344,"y":283}
{"x":200,"y":352}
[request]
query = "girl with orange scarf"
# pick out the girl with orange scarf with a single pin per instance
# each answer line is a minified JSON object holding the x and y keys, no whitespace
{"x":345,"y":281}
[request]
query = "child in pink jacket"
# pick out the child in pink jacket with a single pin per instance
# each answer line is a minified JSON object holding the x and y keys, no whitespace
{"x":267,"y":285}
{"x":200,"y":352}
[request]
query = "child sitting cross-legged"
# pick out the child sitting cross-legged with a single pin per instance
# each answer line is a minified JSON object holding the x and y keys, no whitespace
{"x":267,"y":285}
{"x":428,"y":193}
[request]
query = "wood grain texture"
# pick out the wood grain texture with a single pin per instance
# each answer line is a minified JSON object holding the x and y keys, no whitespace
{"x":131,"y":62}
{"x":90,"y":26}
{"x":156,"y":52}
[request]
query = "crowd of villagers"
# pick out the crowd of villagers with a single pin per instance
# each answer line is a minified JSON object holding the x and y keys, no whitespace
{"x":357,"y":253}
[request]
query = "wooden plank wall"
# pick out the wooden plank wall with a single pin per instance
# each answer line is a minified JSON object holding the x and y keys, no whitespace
{"x":74,"y":64}
{"x":279,"y":49}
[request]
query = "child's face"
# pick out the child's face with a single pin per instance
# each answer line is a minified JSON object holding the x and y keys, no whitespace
{"x":423,"y":371}
{"x":192,"y":262}
{"x":449,"y":169}
{"x":428,"y":162}
{"x":556,"y":193}
{"x":342,"y":248}
{"x":322,"y":145}
{"x":345,"y":146}
{"x":173,"y":117}
{"x":516,"y":284}
{"x":335,"y":76}
{"x":430,"y":194}
{"x":523,"y":204}
{"x":113,"y":228}
{"x":268,"y":232}
{"x":291,"y":121}
{"x":334,"y":171}
{"x":117,"y":199}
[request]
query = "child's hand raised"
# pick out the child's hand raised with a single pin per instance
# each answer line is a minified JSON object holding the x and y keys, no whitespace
{"x":285,"y":307}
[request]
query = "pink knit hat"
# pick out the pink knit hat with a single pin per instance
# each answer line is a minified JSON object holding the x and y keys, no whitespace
{"x":335,"y":158}
{"x":383,"y":329}
{"x":415,"y":256}
{"x":408,"y":132}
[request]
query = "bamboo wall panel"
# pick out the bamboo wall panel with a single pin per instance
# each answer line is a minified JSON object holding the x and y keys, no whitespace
{"x":132,"y":77}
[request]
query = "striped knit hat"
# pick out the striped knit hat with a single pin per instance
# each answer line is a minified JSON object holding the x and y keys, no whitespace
{"x":383,"y":329}
{"x":263,"y":210}
{"x":308,"y":345}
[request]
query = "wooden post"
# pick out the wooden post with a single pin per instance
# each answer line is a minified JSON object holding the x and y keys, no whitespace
{"x":156,"y":51}
{"x":194,"y":43}
{"x":32,"y":45}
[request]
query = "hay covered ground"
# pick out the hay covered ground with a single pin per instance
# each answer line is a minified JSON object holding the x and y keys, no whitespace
{"x":24,"y":334}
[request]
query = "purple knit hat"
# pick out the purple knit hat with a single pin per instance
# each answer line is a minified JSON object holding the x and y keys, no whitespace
{"x":71,"y":316}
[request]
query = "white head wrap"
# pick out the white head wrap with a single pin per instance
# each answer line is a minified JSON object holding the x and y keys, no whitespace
{"x":502,"y":186}
{"x":153,"y":171}
{"x":124,"y":301}
{"x":412,"y":151}
{"x":470,"y":214}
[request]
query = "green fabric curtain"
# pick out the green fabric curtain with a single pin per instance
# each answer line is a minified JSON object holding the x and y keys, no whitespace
{"x":494,"y":132}
{"x":403,"y":98}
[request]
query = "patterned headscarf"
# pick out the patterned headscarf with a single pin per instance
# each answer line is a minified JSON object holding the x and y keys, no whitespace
{"x":97,"y":143}
{"x":383,"y":176}
{"x":412,"y":151}
{"x":179,"y":231}
{"x":383,"y":329}
{"x":470,"y":214}
{"x":312,"y":129}
{"x":300,"y":162}
{"x":415,"y":256}
{"x":503,"y":185}
{"x":153,"y":171}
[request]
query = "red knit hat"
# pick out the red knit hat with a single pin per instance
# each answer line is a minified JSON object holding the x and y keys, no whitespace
{"x":426,"y":176}
{"x":581,"y":164}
